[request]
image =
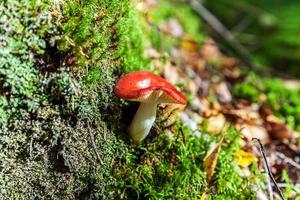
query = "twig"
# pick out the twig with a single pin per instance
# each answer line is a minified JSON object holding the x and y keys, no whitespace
{"x":94,"y":145}
{"x":268,"y":178}
{"x":288,"y":160}
{"x":267,"y":169}
{"x":223,"y":32}
{"x":283,"y":185}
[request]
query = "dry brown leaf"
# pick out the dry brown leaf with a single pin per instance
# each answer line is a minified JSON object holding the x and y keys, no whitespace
{"x":171,"y":73}
{"x":210,"y":51}
{"x":223,"y":92}
{"x":232,"y":75}
{"x":216,"y":123}
{"x":254,"y":131}
{"x":216,"y":106}
{"x":212,"y":108}
{"x":279,"y":130}
{"x":173,"y":28}
{"x":210,"y":160}
{"x":229,"y":62}
{"x":197,"y":105}
{"x":243,"y":116}
{"x":174,"y":74}
{"x":275,"y":127}
{"x":193,"y":88}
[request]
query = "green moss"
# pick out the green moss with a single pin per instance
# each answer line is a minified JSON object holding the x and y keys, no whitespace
{"x":20,"y":41}
{"x":108,"y":35}
{"x":165,"y":11}
{"x":284,"y":102}
{"x":290,"y":191}
{"x":246,"y":91}
{"x":166,"y":168}
{"x":58,"y":137}
{"x":229,"y":182}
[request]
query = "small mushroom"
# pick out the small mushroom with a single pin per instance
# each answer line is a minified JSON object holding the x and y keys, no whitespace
{"x":149,"y":89}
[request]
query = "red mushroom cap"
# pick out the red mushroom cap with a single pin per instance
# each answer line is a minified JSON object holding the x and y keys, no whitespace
{"x":145,"y":87}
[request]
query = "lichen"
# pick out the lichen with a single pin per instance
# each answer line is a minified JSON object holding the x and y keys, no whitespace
{"x":58,"y":65}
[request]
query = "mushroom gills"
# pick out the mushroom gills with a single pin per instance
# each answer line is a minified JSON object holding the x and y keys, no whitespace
{"x":142,"y":122}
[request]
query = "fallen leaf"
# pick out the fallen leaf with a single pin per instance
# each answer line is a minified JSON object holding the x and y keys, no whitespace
{"x":171,"y":73}
{"x":210,"y":160}
{"x":254,"y":131}
{"x":201,"y":67}
{"x":198,"y":105}
{"x":275,"y":127}
{"x":193,"y":88}
{"x":173,"y":28}
{"x":210,"y":51}
{"x":279,"y":131}
{"x":232,"y":75}
{"x":223,"y":92}
{"x":213,"y":109}
{"x":244,"y":158}
{"x":216,"y":106}
{"x":229,"y":63}
{"x":242,"y":116}
{"x":216,"y":123}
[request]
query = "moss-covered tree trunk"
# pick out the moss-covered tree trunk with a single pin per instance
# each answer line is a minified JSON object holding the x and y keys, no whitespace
{"x":60,"y":130}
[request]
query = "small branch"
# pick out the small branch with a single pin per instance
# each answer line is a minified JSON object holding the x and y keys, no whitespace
{"x":267,"y":169}
{"x":283,"y":185}
{"x":288,"y":160}
{"x":94,"y":146}
{"x":223,"y":32}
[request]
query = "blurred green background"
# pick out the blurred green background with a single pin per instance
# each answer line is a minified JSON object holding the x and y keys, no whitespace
{"x":269,"y":29}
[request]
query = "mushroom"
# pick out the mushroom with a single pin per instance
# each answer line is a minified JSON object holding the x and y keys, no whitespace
{"x":149,"y":89}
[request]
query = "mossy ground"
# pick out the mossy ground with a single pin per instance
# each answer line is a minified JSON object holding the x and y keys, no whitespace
{"x":165,"y":168}
{"x":162,"y":14}
{"x":284,"y":102}
{"x":58,"y":66}
{"x":62,"y":128}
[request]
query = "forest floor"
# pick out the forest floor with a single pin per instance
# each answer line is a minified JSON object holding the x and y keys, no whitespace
{"x":63,"y":131}
{"x":223,"y":91}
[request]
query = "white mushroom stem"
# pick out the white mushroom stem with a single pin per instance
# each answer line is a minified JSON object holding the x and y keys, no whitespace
{"x":142,"y":122}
